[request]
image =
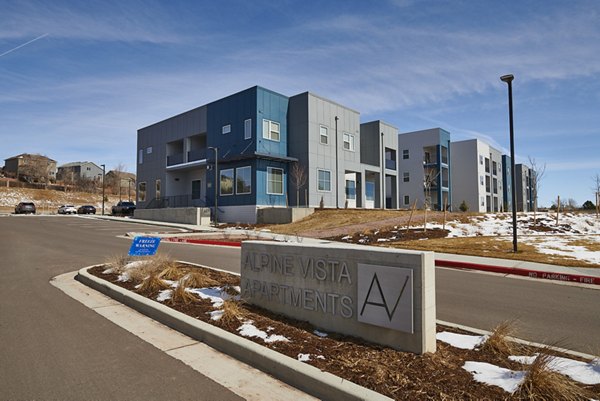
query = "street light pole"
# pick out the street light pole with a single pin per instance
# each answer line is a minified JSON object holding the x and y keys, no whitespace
{"x":216,"y":181}
{"x":382,"y":186}
{"x":103,"y":173}
{"x":508,"y":79}
{"x":337,"y":174}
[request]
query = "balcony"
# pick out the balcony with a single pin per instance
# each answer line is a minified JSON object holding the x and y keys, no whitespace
{"x":198,"y":154}
{"x":175,"y":159}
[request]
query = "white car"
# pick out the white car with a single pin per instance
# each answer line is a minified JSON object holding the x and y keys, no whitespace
{"x":67,"y":209}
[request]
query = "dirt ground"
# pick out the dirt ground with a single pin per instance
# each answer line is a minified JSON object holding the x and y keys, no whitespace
{"x":399,"y":375}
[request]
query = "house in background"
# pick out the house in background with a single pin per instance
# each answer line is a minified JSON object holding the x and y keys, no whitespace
{"x":31,"y":168}
{"x":506,"y":178}
{"x":71,"y":172}
{"x":477,"y":176}
{"x":424,"y":169}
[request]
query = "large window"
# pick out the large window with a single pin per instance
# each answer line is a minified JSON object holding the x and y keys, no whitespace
{"x":274,"y":181}
{"x":348,"y":141}
{"x":196,"y":186}
{"x":243,"y":180}
{"x":271,"y":130}
{"x":370,"y":190}
{"x":248,"y":128}
{"x":142,"y":191}
{"x":227,"y":182}
{"x":323,"y":136}
{"x":323,"y":180}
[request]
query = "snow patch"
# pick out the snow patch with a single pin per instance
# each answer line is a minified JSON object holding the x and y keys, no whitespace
{"x":462,"y":341}
{"x":583,"y":372}
{"x":508,"y":380}
{"x":249,"y":330}
{"x":320,"y":333}
{"x":304,"y":357}
{"x":164,"y":295}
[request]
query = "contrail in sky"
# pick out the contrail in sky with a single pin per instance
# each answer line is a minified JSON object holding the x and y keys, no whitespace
{"x":24,"y":44}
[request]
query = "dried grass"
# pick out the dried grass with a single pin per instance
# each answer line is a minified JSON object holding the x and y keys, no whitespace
{"x":543,"y":384}
{"x":153,"y":283}
{"x":499,"y":343}
{"x":233,"y":312}
{"x":181,"y":295}
{"x":117,"y":263}
{"x":169,"y":270}
{"x":199,"y":280}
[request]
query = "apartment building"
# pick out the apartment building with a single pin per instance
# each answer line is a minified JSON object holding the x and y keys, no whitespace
{"x":424,"y":169}
{"x":240,"y":153}
{"x":524,"y":188}
{"x":476,"y":176}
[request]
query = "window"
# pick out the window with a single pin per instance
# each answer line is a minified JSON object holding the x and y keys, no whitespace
{"x":271,"y":130}
{"x":406,"y":200}
{"x":487,"y":165}
{"x":370,"y":190}
{"x":248,"y":128}
{"x":495,"y":185}
{"x":141,"y":156}
{"x":348,"y":142}
{"x":88,"y":169}
{"x":196,"y":185}
{"x":142,"y":192}
{"x":226,"y":129}
{"x":274,"y":181}
{"x":481,"y":179}
{"x":157,"y":196}
{"x":149,"y":150}
{"x":350,"y":189}
{"x":494,"y":168}
{"x":226,"y":182}
{"x":483,"y":201}
{"x":405,"y":154}
{"x":323,"y":136}
{"x":487,"y":183}
{"x":481,"y":161}
{"x":243,"y":180}
{"x":324,"y":180}
{"x":406,"y":176}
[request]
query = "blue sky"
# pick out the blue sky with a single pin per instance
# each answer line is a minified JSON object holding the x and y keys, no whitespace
{"x":77,"y":79}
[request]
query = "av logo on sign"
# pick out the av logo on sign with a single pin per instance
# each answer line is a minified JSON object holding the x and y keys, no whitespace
{"x":385,"y":296}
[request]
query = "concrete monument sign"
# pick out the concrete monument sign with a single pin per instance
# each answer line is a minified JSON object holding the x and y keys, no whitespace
{"x":382,"y":295}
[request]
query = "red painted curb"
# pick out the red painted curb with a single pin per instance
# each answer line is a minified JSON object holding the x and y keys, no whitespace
{"x":577,"y":278}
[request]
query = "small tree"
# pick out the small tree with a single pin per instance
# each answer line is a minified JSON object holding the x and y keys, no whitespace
{"x":588,"y":205}
{"x":298,"y":177}
{"x":463,"y":207}
{"x":537,"y":174}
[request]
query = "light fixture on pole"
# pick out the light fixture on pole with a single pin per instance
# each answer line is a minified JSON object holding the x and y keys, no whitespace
{"x":508,"y":79}
{"x":216,"y":181}
{"x":103,"y":174}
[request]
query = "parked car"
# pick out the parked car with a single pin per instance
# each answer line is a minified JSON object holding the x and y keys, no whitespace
{"x":25,"y":208}
{"x":86,"y":209}
{"x":67,"y":209}
{"x":123,"y":208}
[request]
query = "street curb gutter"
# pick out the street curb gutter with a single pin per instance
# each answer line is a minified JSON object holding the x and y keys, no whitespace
{"x":304,"y":377}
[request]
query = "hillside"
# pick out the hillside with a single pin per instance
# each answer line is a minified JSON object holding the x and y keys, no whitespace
{"x":48,"y":201}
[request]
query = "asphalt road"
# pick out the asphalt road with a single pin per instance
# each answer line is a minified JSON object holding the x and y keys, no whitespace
{"x":54,"y":348}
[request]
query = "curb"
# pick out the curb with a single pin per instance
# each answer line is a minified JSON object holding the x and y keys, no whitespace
{"x":304,"y":377}
{"x":572,"y":278}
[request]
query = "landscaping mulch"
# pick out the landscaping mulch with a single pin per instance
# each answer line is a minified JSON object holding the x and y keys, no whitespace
{"x":396,"y":374}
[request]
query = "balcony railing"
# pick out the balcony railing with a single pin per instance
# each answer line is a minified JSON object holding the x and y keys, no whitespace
{"x":194,"y":155}
{"x":175,"y":159}
{"x":175,"y":201}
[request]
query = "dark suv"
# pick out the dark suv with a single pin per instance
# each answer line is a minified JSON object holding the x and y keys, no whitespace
{"x":123,"y":208}
{"x":25,"y":207}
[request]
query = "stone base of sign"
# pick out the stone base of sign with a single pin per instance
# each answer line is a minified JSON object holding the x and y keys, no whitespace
{"x":381,"y":295}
